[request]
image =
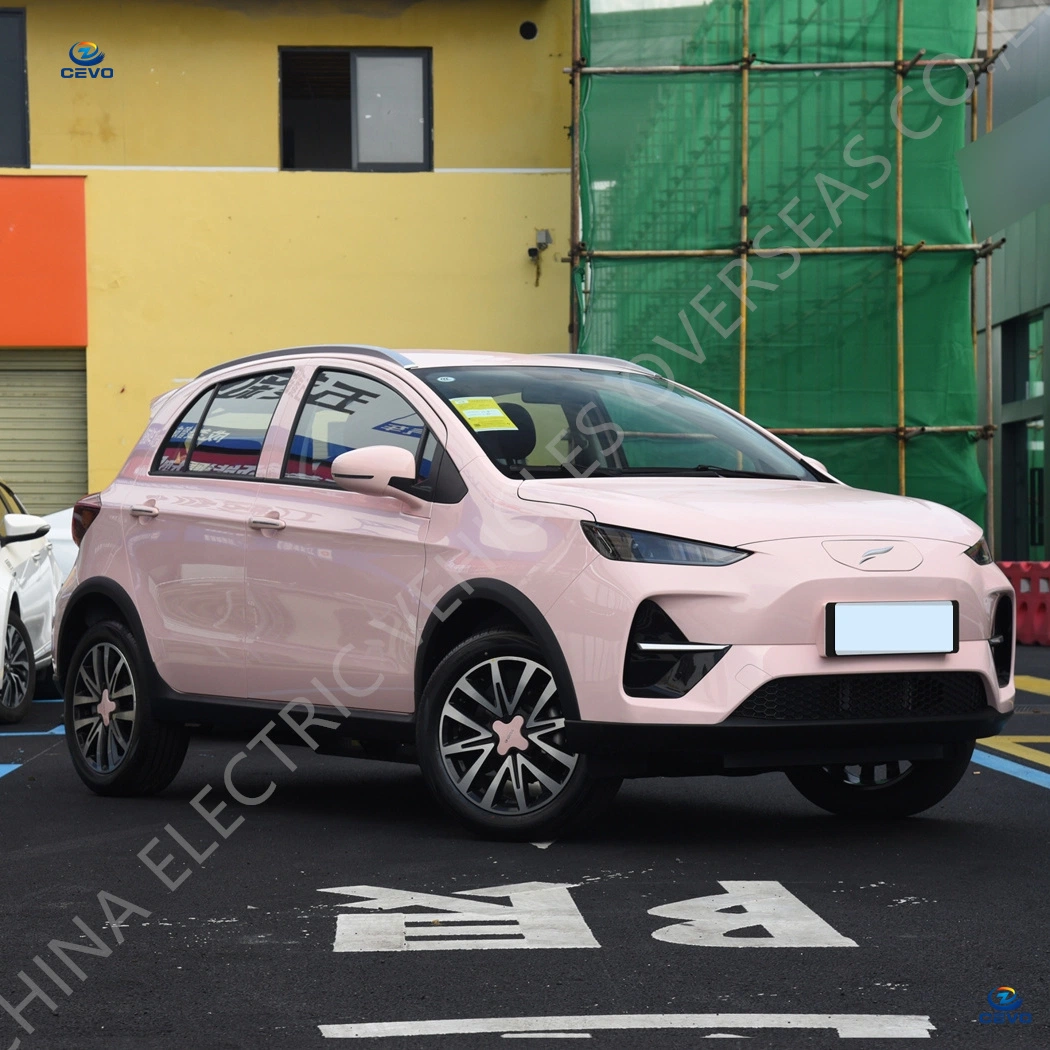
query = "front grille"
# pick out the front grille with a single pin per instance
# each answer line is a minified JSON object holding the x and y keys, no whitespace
{"x":814,"y":698}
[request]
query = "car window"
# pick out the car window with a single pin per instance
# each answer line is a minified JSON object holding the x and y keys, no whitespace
{"x":343,"y":411}
{"x":537,"y":421}
{"x":176,"y":449}
{"x":223,"y":431}
{"x":8,"y":505}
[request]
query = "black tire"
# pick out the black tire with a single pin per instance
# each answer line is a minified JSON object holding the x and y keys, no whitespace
{"x":898,"y":789}
{"x":18,"y":686}
{"x":525,"y":773}
{"x":124,"y":750}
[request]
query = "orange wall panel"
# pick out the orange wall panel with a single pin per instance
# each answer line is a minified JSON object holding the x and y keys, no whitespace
{"x":43,"y":277}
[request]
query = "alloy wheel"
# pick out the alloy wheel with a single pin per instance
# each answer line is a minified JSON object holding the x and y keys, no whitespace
{"x":16,"y":668}
{"x":502,"y":736}
{"x":104,"y":707}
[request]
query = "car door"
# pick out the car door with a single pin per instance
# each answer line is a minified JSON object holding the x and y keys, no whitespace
{"x":334,"y":576}
{"x":184,"y":529}
{"x":30,"y":563}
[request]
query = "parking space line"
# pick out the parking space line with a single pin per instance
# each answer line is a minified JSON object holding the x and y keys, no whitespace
{"x":1028,"y":683}
{"x":57,"y":731}
{"x":848,"y":1026}
{"x":1014,"y":769}
{"x":546,"y":1035}
{"x":1016,"y":746}
{"x":8,"y":768}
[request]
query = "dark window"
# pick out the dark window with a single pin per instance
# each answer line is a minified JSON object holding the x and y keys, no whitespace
{"x":223,"y":431}
{"x":14,"y":92}
{"x":361,"y":109}
{"x":344,"y":411}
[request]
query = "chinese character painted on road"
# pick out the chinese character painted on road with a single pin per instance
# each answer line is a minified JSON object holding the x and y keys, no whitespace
{"x":538,"y":915}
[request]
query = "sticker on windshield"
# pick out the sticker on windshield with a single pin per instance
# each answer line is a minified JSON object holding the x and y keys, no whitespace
{"x":482,"y":413}
{"x":446,"y":379}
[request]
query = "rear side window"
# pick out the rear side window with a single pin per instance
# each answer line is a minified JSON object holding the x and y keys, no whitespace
{"x":176,"y":450}
{"x":344,"y":411}
{"x":223,"y":431}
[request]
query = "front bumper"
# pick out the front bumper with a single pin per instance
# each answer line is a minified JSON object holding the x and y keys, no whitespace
{"x":742,"y":747}
{"x":770,"y":612}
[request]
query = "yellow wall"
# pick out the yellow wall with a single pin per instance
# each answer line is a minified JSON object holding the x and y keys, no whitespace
{"x":188,"y":268}
{"x":196,"y":83}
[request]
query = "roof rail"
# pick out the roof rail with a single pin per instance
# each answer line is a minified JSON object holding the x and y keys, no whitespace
{"x":293,"y":351}
{"x":606,"y":360}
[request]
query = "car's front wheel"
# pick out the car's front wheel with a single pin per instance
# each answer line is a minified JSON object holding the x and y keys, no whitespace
{"x":18,"y":683}
{"x":117,"y":746}
{"x":491,"y":741}
{"x":882,"y":789}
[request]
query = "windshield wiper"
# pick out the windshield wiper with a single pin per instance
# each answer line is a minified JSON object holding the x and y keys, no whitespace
{"x":726,"y":472}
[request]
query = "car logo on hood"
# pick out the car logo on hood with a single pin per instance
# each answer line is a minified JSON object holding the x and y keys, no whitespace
{"x":874,"y":553}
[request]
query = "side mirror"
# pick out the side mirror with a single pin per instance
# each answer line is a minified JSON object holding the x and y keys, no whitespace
{"x":816,"y":465}
{"x":21,"y":527}
{"x":372,"y":471}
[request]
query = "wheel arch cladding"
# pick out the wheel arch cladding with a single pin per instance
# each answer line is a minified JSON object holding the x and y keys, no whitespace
{"x":95,"y":600}
{"x":475,"y":604}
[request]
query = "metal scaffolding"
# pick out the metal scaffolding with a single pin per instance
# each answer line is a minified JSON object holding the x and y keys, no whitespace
{"x":745,"y":68}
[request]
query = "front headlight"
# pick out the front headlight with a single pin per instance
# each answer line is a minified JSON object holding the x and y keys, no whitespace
{"x":980,"y":552}
{"x":633,"y":545}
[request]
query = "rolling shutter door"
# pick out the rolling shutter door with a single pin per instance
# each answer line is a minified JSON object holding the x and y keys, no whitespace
{"x":43,"y":427}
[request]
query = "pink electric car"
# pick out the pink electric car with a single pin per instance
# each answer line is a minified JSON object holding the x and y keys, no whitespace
{"x":535,"y":574}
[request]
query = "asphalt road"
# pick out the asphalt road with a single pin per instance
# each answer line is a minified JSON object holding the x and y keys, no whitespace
{"x":870,"y":934}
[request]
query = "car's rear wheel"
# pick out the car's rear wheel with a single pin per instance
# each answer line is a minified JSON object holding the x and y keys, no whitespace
{"x":882,"y":789}
{"x":19,"y":681}
{"x":117,"y":746}
{"x":491,"y":741}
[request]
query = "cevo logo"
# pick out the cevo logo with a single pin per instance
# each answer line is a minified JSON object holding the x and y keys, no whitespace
{"x":87,"y":58}
{"x":1005,"y":1003}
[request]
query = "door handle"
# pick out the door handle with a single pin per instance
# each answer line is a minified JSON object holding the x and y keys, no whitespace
{"x":266,"y":523}
{"x":144,"y":510}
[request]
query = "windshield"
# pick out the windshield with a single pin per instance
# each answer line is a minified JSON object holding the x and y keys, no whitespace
{"x":543,"y":421}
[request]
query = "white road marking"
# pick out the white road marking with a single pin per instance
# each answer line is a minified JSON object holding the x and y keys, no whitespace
{"x":848,"y":1026}
{"x":725,"y":1035}
{"x":784,"y":918}
{"x":543,"y":845}
{"x":546,"y":1035}
{"x":539,"y":915}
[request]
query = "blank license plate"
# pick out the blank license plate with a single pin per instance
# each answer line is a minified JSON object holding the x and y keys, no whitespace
{"x":884,"y":628}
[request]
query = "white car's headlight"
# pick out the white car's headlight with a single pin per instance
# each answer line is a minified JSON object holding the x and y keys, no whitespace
{"x":619,"y":544}
{"x":980,"y":552}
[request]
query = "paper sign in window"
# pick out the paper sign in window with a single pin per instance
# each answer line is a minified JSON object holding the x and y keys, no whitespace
{"x":482,"y":413}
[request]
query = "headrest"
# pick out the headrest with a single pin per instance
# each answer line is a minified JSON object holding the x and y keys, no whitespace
{"x":511,"y":446}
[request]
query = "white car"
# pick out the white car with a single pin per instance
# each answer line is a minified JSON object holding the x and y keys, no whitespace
{"x":61,"y":540}
{"x":29,"y":582}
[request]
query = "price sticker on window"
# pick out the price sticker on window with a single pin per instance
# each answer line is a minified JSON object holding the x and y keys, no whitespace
{"x":482,"y":413}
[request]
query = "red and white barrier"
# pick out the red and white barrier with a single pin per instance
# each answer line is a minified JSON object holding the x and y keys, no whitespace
{"x":1031,"y":582}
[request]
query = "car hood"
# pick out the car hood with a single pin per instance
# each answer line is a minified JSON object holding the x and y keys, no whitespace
{"x":735,"y":511}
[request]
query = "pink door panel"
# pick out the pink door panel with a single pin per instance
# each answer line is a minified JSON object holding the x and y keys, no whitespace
{"x":333,"y":584}
{"x":185,"y":538}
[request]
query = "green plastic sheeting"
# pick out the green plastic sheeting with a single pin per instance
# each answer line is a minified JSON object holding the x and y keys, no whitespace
{"x":661,"y":168}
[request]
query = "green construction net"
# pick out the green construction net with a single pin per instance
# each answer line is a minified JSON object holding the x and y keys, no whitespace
{"x":661,"y":168}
